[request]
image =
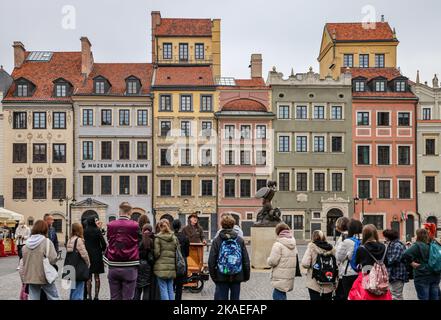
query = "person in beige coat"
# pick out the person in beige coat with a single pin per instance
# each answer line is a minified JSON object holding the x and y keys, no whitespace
{"x":319,"y":245}
{"x":283,"y":261}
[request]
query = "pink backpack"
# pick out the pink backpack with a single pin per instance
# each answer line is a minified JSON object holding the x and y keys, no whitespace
{"x":377,"y":281}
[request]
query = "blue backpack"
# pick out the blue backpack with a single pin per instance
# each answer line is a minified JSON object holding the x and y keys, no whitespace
{"x":352,"y":262}
{"x":434,"y":262}
{"x":229,"y":261}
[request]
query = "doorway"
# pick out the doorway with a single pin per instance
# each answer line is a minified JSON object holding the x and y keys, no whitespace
{"x":410,"y":228}
{"x":331,"y":219}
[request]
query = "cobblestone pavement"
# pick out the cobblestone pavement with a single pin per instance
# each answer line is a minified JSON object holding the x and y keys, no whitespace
{"x":258,"y":288}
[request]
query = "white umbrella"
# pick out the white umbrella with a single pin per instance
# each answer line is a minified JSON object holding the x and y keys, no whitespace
{"x":6,"y":214}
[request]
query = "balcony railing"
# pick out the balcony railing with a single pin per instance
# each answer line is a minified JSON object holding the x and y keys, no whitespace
{"x":189,"y":60}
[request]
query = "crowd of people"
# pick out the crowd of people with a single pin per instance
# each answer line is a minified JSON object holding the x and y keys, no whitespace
{"x":147,"y":262}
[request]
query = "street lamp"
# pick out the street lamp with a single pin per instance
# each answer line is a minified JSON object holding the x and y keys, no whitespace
{"x":69,"y":202}
{"x":357,"y":199}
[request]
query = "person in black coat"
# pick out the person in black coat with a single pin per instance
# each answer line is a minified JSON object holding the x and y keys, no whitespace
{"x":144,"y":282}
{"x":370,"y":248}
{"x":95,"y":246}
{"x":228,"y":286}
{"x":185,"y":250}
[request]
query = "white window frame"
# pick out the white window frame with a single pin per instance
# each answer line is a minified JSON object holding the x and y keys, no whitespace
{"x":391,"y":196}
{"x":332,"y":105}
{"x":390,"y":118}
{"x":307,"y":180}
{"x":325,"y":143}
{"x":307,"y":111}
{"x":410,"y":118}
{"x":410,"y":154}
{"x":289,"y":105}
{"x":342,"y":136}
{"x":411,"y":188}
{"x":326,"y":180}
{"x":370,"y":154}
{"x":171,"y":186}
{"x":289,"y":172}
{"x":370,"y":119}
{"x":390,"y":155}
{"x":283,"y":134}
{"x":302,"y":134}
{"x":370,"y":186}
{"x":324,"y":105}
{"x":213,"y":180}
{"x":422,"y":112}
{"x":343,"y":185}
{"x":191,"y":157}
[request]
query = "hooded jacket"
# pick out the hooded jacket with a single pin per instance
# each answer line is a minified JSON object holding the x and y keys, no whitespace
{"x":309,"y":259}
{"x":33,"y":254}
{"x":344,"y":252}
{"x":283,"y":260}
{"x":165,"y":255}
{"x":217,"y":276}
{"x":363,"y":258}
{"x":419,"y":253}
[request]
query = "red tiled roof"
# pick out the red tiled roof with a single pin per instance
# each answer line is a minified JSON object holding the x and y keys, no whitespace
{"x":254,"y":82}
{"x":358,"y":32}
{"x":116,"y":74}
{"x":184,"y":76}
{"x":66,"y":65}
{"x":184,"y":27}
{"x":244,"y":105}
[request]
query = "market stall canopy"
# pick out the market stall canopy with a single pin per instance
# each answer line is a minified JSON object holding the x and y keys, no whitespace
{"x":6,"y":214}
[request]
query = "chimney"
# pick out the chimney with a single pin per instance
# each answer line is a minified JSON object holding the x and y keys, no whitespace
{"x":418,"y":77}
{"x":256,"y":65}
{"x":19,"y":54}
{"x":86,"y":56}
{"x":156,"y":21}
{"x":382,"y":18}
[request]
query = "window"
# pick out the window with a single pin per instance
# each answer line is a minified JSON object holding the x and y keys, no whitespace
{"x":58,"y":188}
{"x":20,"y":120}
{"x":348,"y":60}
{"x":337,"y":144}
{"x":39,"y":189}
{"x":245,"y":132}
{"x":380,"y":86}
{"x":199,"y":51}
{"x":61,"y":90}
{"x":260,"y":183}
{"x":59,"y":153}
{"x":167,"y":51}
{"x":364,"y":61}
{"x":141,"y":185}
{"x":384,"y":189}
{"x":319,"y":181}
{"x":165,"y":157}
{"x":40,"y":153}
{"x":22,"y":90}
{"x":430,"y":147}
{"x":19,"y":189}
{"x":400,"y":86}
{"x":142,"y":118}
{"x":124,"y":185}
{"x":379,"y":61}
{"x":260,"y":132}
{"x":319,"y":112}
{"x":245,"y":188}
{"x":364,"y":189}
{"x":142,"y":150}
{"x":404,"y":119}
{"x":165,"y":188}
{"x":287,"y":219}
{"x":363,"y":118}
{"x":186,"y":188}
{"x":301,"y":112}
{"x":106,"y":117}
{"x":229,"y":157}
{"x":206,"y":103}
{"x":383,"y":155}
{"x":430,"y":184}
{"x":206,"y":157}
{"x":360,"y":86}
{"x":185,"y":129}
{"x":39,"y":120}
{"x":87,"y":150}
{"x":363,"y":155}
{"x":100,"y":87}
{"x":185,"y":103}
{"x":124,"y":150}
{"x":87,"y":185}
{"x":297,"y":222}
{"x":403,"y":155}
{"x":106,"y":150}
{"x":206,"y":128}
{"x":336,"y":113}
{"x":383,"y":119}
{"x":302,"y":181}
{"x":165,"y":102}
{"x":207,"y":188}
{"x":106,"y":185}
{"x":229,"y":132}
{"x":302,"y":144}
{"x":284,"y":181}
{"x":261,"y":158}
{"x":132,"y":87}
{"x":319,"y":144}
{"x":230,"y":188}
{"x":283,"y":112}
{"x":337,"y":182}
{"x":284,"y":144}
{"x":165,"y":128}
{"x":404,"y":189}
{"x":19,"y":153}
{"x":245,"y":157}
{"x":185,"y":157}
{"x":87,"y":117}
{"x":59,"y":120}
{"x":376,"y":220}
{"x":316,"y":215}
{"x":427,"y":114}
{"x":183,"y":51}
{"x":124,"y":117}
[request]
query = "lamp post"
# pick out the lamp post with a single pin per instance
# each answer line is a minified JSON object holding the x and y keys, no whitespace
{"x":69,"y":202}
{"x":357,"y":199}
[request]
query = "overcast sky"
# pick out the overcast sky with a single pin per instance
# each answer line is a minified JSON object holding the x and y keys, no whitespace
{"x":286,"y":32}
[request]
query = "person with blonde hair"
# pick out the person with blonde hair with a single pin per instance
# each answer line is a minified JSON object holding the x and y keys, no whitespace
{"x":165,"y":246}
{"x":318,"y":251}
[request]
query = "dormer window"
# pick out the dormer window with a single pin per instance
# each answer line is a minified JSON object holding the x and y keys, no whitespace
{"x":360,"y":86}
{"x":22,"y":90}
{"x":380,"y":86}
{"x":400,"y":86}
{"x":133,"y":86}
{"x":62,"y":88}
{"x":100,"y":85}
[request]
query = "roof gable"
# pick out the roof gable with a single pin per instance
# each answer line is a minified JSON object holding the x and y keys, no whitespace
{"x":359,"y":32}
{"x":184,"y":27}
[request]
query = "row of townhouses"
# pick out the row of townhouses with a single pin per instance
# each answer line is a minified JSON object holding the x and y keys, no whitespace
{"x":174,"y":136}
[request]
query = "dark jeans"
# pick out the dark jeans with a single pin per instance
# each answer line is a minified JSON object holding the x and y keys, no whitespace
{"x":122,"y":282}
{"x":428,"y":288}
{"x":142,"y":293}
{"x":340,"y":293}
{"x":347,"y":282}
{"x":20,"y":251}
{"x":279,"y":295}
{"x":316,"y":296}
{"x":179,"y":286}
{"x":227,"y":291}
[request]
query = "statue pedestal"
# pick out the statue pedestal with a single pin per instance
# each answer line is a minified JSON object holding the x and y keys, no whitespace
{"x":262,"y":240}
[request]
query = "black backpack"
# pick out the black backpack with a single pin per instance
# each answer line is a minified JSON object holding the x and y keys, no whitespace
{"x":325,"y":270}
